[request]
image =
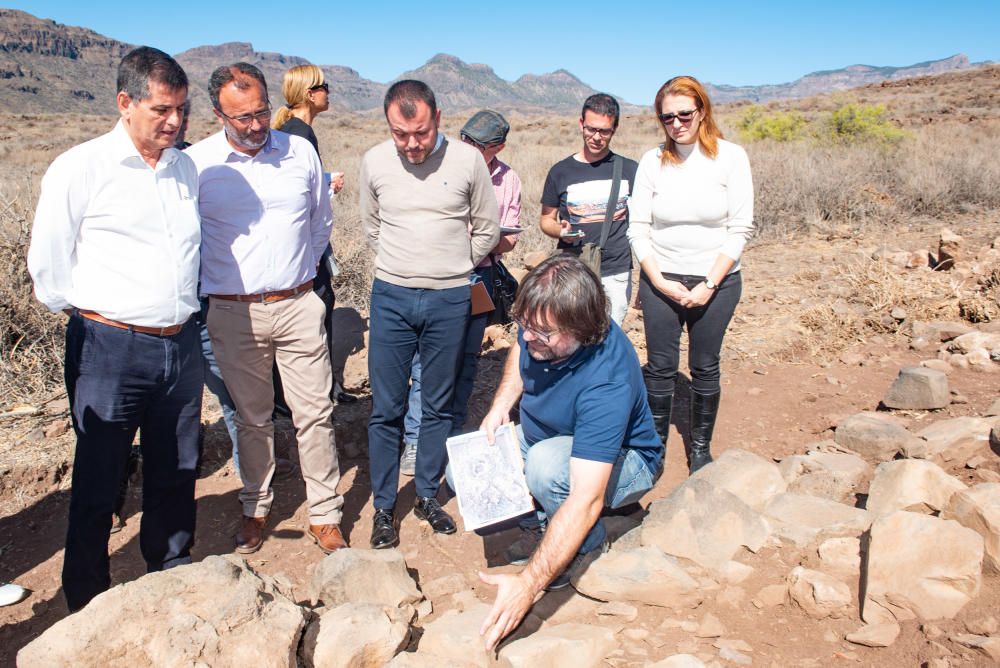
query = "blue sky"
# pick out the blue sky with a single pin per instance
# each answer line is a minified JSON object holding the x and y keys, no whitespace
{"x":627,"y":48}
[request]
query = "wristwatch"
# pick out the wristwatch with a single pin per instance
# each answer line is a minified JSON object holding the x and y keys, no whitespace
{"x":710,"y":284}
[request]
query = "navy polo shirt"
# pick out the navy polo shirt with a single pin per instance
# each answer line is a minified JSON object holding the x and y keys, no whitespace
{"x":596,"y":395}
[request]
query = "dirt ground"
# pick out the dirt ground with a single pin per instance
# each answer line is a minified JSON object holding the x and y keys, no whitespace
{"x":784,"y":388}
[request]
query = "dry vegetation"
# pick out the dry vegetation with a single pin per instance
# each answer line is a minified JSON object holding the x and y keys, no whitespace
{"x":944,"y":164}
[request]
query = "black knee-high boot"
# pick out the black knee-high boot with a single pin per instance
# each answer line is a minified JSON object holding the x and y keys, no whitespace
{"x":660,"y":405}
{"x":704,"y":408}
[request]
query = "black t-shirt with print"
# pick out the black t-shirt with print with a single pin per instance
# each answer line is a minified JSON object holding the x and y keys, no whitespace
{"x":581,"y":190}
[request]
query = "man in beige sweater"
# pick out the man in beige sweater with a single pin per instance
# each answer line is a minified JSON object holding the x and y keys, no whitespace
{"x":428,"y":209}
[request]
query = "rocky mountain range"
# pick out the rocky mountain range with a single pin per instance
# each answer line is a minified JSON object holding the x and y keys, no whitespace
{"x":48,"y":67}
{"x":827,"y":81}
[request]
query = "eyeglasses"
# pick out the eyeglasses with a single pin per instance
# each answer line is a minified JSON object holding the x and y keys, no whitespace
{"x":538,"y":334}
{"x":682,"y":116}
{"x":603,"y":133}
{"x":323,"y":86}
{"x":246,"y":119}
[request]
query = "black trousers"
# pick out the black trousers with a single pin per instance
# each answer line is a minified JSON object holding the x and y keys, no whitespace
{"x":663,"y":319}
{"x":118,"y":382}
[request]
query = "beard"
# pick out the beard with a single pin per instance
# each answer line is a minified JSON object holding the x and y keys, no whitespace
{"x":247,"y":139}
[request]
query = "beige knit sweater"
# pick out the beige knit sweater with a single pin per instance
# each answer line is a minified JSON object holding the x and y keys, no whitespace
{"x":429,"y":224}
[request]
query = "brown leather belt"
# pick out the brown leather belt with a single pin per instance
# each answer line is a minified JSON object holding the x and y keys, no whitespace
{"x":142,"y":329}
{"x":268,"y":297}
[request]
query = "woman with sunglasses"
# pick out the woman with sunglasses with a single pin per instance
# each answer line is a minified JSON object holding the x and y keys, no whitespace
{"x":306,"y":96}
{"x":691,"y":215}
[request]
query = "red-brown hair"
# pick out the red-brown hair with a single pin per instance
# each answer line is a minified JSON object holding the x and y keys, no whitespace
{"x":708,"y":132}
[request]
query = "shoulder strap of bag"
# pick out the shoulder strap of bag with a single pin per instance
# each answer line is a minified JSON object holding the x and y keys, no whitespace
{"x":616,"y":182}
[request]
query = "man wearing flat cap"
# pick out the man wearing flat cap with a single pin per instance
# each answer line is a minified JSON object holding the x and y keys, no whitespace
{"x":487,"y":132}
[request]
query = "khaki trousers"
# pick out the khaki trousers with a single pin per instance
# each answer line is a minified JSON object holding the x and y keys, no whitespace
{"x":247,"y":338}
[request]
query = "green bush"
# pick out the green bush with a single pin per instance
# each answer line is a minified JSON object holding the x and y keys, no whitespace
{"x":779,"y":126}
{"x":864,"y":123}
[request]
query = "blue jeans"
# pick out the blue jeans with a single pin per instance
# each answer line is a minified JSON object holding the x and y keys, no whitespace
{"x":466,"y":375}
{"x":119,"y":382}
{"x":214,"y":382}
{"x":403,"y":322}
{"x":546,"y":469}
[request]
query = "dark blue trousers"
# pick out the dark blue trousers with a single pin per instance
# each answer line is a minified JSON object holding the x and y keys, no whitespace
{"x":118,"y":382}
{"x":404,"y":321}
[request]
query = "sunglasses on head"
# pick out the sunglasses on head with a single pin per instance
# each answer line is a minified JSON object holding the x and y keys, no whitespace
{"x":683,"y":116}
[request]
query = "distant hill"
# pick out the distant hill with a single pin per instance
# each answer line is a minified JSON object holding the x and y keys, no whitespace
{"x":48,"y":67}
{"x":828,"y":81}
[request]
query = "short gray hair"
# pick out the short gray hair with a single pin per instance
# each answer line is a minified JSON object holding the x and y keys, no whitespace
{"x":237,"y":73}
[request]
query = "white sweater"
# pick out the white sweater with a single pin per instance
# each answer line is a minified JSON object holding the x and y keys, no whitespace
{"x":686,"y":215}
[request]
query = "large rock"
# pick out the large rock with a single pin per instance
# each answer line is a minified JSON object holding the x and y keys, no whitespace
{"x":454,"y":637}
{"x":918,"y":387}
{"x":979,"y":509}
{"x":955,"y":439}
{"x":831,"y":475}
{"x":872,"y":436}
{"x":841,"y":555}
{"x":355,"y":635}
{"x":916,"y":485}
{"x":919,"y":566}
{"x":753,"y":479}
{"x":213,"y":613}
{"x":703,"y":523}
{"x":818,"y":594}
{"x":802,"y":519}
{"x":645,"y":575}
{"x":364,"y":576}
{"x":974,"y":340}
{"x":577,"y":645}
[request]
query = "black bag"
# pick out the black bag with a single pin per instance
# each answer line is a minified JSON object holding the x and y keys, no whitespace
{"x":504,"y":292}
{"x":590,"y":254}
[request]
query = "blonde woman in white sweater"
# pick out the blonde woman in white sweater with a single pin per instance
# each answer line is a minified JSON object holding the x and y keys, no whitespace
{"x":691,"y":215}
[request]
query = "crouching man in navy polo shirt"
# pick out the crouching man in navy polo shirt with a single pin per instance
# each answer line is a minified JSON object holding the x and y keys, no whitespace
{"x":587,"y":435}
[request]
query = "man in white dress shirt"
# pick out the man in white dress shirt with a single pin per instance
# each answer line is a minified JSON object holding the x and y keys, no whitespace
{"x":266,"y":219}
{"x":115,"y":245}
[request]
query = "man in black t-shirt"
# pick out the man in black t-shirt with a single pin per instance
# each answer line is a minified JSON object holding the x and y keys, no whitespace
{"x":575,"y":200}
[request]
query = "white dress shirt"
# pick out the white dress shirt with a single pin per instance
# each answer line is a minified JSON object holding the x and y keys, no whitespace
{"x":265,"y":219}
{"x":116,"y":236}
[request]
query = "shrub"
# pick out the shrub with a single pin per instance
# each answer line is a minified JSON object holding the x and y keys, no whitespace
{"x":754,"y":125}
{"x":864,"y":123}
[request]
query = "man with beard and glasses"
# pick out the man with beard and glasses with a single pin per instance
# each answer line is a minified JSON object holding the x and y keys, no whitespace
{"x":115,"y":246}
{"x":266,"y":220}
{"x":586,"y":432}
{"x":430,"y":214}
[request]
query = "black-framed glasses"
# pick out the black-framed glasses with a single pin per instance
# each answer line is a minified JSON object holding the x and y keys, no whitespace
{"x":603,"y":133}
{"x":323,"y":86}
{"x":537,"y":333}
{"x":264,"y":115}
{"x":682,"y":116}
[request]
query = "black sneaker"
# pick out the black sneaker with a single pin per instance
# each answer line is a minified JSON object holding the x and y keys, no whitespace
{"x":561,"y":581}
{"x":429,"y":510}
{"x":384,"y":530}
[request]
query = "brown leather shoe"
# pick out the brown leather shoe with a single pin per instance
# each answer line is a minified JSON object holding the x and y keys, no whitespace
{"x":327,"y":536}
{"x":251,"y":535}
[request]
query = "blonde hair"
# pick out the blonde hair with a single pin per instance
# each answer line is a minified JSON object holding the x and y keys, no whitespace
{"x":709,"y":133}
{"x":295,"y":89}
